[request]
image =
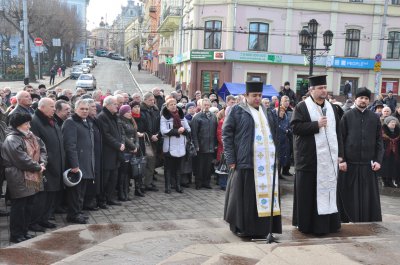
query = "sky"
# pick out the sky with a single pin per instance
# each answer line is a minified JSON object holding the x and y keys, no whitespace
{"x":103,"y":8}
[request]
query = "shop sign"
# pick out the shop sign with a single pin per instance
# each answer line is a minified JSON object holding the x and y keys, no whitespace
{"x":203,"y":55}
{"x":353,"y":63}
{"x":181,"y":58}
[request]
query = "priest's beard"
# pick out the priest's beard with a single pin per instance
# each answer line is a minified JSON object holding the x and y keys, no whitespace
{"x":361,"y":106}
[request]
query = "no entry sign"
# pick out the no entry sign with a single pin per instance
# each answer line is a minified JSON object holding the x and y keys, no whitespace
{"x":38,"y":42}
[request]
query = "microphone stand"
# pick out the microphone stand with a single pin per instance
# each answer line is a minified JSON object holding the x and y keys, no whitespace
{"x":269,"y":239}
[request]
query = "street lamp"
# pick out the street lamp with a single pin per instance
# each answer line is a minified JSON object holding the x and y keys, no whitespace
{"x":308,"y":43}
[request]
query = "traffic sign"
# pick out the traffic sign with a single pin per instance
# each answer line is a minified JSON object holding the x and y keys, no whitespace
{"x":38,"y":42}
{"x":377,"y":67}
{"x":378,"y":58}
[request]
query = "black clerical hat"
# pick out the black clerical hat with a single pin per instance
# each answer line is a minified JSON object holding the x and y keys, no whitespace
{"x":318,"y":80}
{"x":254,"y":87}
{"x":363,"y":91}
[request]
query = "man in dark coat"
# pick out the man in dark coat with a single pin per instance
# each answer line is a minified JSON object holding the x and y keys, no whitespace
{"x":287,"y":91}
{"x":363,"y":153}
{"x":159,"y":98}
{"x":113,"y":139}
{"x":316,"y":123}
{"x":347,"y":89}
{"x":45,"y":127}
{"x":204,"y":132}
{"x":24,"y":101}
{"x":390,"y":101}
{"x":151,"y":116}
{"x":247,"y":205}
{"x":79,"y":149}
{"x":63,"y":111}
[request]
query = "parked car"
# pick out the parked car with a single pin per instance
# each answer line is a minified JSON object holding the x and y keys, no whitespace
{"x":86,"y":68}
{"x":75,"y":72}
{"x":89,"y":61}
{"x":117,"y":56}
{"x":86,"y":81}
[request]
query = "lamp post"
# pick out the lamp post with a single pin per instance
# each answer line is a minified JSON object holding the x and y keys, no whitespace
{"x":308,"y":42}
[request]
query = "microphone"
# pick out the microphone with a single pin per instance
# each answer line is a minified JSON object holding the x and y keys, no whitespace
{"x":324,"y":109}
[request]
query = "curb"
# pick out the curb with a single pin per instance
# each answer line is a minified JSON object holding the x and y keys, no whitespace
{"x":57,"y":84}
{"x":134,"y":80}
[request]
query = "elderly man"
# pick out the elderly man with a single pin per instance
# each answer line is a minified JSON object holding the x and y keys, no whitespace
{"x":97,"y":97}
{"x":151,"y":117}
{"x":24,"y":102}
{"x":67,"y":93}
{"x":46,"y":128}
{"x":160,"y":100}
{"x":80,"y":157}
{"x":120,"y":100}
{"x":63,"y":111}
{"x":113,"y":146}
{"x":136,"y":98}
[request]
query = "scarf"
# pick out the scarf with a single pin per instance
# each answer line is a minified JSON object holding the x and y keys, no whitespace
{"x":134,"y":115}
{"x":32,"y":179}
{"x":176,"y":119}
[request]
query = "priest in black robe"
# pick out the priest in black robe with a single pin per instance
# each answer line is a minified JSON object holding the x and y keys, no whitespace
{"x":358,"y":190}
{"x":315,"y":210}
{"x":248,"y":127}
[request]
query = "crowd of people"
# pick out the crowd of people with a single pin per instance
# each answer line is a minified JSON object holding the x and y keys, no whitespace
{"x":66,"y":152}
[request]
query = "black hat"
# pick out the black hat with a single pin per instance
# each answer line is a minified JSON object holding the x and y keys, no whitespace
{"x":363,"y":91}
{"x":254,"y":87}
{"x":35,"y":96}
{"x":318,"y":80}
{"x":18,"y":119}
{"x":287,"y":83}
{"x":378,"y":104}
{"x":63,"y":98}
{"x":41,"y":85}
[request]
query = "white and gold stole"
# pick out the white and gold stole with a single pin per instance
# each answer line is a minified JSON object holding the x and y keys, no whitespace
{"x":264,"y":159}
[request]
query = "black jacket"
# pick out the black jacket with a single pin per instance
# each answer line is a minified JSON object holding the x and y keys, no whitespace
{"x":204,"y":132}
{"x":113,"y":137}
{"x":151,"y":117}
{"x":160,"y":100}
{"x":238,"y":135}
{"x":79,"y":145}
{"x":53,"y":140}
{"x":290,"y":93}
{"x":98,"y":153}
{"x":131,"y":138}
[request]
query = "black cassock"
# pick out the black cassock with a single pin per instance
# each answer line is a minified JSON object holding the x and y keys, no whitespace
{"x":305,"y":213}
{"x":358,"y":190}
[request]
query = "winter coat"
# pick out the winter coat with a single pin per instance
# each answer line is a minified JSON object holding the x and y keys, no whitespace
{"x":204,"y":132}
{"x":290,"y":93}
{"x":53,"y":140}
{"x":16,"y":161}
{"x":113,"y":137}
{"x":141,"y":128}
{"x":174,"y":143}
{"x":284,"y":140}
{"x":98,"y":153}
{"x":131,"y":138}
{"x":19,"y":109}
{"x":391,"y":103}
{"x":238,"y":135}
{"x":79,"y":145}
{"x":220,"y":149}
{"x":160,"y":100}
{"x":151,"y":118}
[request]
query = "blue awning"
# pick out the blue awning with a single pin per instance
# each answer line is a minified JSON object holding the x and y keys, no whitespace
{"x":240,"y":89}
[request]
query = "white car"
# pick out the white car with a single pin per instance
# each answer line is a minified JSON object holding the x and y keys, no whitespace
{"x":85,"y":67}
{"x":75,"y":72}
{"x":86,"y":81}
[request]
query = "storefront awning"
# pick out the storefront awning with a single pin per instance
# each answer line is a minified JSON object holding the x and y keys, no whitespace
{"x":240,"y":89}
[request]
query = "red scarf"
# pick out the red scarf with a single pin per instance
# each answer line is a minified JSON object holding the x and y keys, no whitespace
{"x":134,"y":115}
{"x":176,"y":119}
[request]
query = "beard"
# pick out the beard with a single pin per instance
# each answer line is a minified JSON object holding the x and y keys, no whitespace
{"x":361,"y":105}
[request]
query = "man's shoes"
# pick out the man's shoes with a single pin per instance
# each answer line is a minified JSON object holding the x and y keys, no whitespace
{"x":185,"y":185}
{"x":198,"y":187}
{"x":36,"y":228}
{"x":223,"y":188}
{"x":91,"y":208}
{"x":287,"y":174}
{"x":77,"y":220}
{"x":179,"y":190}
{"x":103,"y":206}
{"x":139,"y":193}
{"x":47,"y":224}
{"x":111,"y":202}
{"x":4,"y":213}
{"x":52,"y":217}
{"x":167,"y":191}
{"x":60,"y":210}
{"x":151,"y":188}
{"x":207,"y":187}
{"x":17,"y":239}
{"x":121,"y":199}
{"x":29,"y":236}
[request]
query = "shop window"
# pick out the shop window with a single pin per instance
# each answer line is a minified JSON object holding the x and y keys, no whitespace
{"x":258,"y":36}
{"x":353,"y":81}
{"x":393,"y":48}
{"x":301,"y":85}
{"x":260,"y":77}
{"x":210,"y":81}
{"x":395,"y":2}
{"x":390,"y":84}
{"x":212,"y":34}
{"x":352,"y":42}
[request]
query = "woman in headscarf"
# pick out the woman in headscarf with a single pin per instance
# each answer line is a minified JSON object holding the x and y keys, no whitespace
{"x":390,"y":170}
{"x":24,"y":158}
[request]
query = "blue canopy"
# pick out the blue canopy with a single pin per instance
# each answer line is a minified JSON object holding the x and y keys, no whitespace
{"x":240,"y":89}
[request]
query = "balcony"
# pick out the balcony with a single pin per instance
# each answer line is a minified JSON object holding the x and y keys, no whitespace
{"x":152,"y":9}
{"x":170,"y":21}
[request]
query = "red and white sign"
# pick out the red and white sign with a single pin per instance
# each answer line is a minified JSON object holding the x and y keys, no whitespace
{"x":38,"y":42}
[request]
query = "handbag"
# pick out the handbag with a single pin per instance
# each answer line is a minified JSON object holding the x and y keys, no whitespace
{"x":149,"y":147}
{"x":222,"y":168}
{"x":138,"y":164}
{"x":190,"y":148}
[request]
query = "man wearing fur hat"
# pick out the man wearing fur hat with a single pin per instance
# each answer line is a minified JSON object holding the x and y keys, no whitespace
{"x":363,"y":152}
{"x":248,"y":137}
{"x":315,"y":125}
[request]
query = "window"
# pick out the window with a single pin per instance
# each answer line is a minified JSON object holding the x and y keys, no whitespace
{"x":393,"y":49}
{"x":213,"y":32}
{"x":356,"y":1}
{"x":210,"y":81}
{"x":395,"y":2}
{"x":260,"y":77}
{"x":258,"y":36}
{"x":352,"y":42}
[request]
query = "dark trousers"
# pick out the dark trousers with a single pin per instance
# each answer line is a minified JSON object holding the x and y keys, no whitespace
{"x":43,"y":206}
{"x":90,"y":194}
{"x":52,"y":77}
{"x":75,"y":197}
{"x":124,"y":176}
{"x":203,"y":175}
{"x":110,"y":179}
{"x":20,"y":215}
{"x":172,"y":167}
